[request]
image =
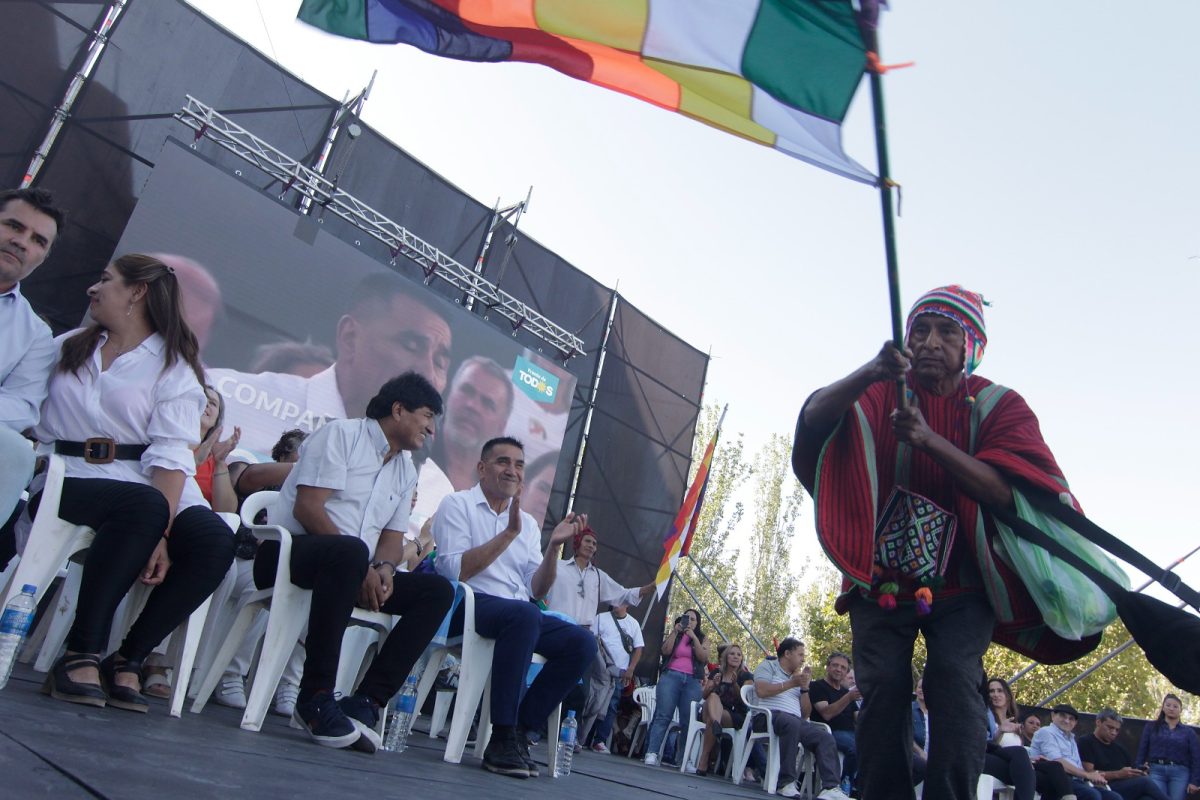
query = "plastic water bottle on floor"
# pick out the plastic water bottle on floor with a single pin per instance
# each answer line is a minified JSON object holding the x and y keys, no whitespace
{"x":566,"y":746}
{"x":401,"y":719}
{"x":14,"y":627}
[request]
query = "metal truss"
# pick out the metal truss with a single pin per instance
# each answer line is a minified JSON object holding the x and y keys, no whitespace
{"x":207,"y":123}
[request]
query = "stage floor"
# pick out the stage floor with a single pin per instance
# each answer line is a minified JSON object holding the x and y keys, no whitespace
{"x":53,"y":749}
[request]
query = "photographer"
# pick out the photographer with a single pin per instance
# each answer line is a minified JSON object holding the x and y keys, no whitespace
{"x":684,"y":663}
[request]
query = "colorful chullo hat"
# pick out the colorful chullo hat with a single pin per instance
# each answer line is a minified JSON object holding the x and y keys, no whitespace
{"x":962,"y":306}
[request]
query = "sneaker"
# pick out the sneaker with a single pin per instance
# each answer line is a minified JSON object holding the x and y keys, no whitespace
{"x":363,"y":713}
{"x":689,"y":769}
{"x":503,"y":757}
{"x":749,"y":777}
{"x":578,"y":748}
{"x":845,"y":785}
{"x":523,"y":743}
{"x":790,"y":790}
{"x":651,"y":760}
{"x":833,"y":793}
{"x":600,"y":747}
{"x":231,"y":692}
{"x":284,"y":703}
{"x":325,"y":721}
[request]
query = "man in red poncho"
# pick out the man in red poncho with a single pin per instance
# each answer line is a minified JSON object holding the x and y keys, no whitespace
{"x":960,"y":443}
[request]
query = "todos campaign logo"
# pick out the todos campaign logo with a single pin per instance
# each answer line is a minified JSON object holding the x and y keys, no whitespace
{"x":534,"y":381}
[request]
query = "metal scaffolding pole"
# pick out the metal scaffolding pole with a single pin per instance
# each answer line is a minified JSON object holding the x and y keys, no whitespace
{"x":207,"y":123}
{"x":728,"y":605}
{"x":700,"y":607}
{"x":62,"y":111}
{"x":591,"y":403}
{"x":348,"y":107}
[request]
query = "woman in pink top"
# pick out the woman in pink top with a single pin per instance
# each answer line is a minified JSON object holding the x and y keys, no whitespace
{"x":685,"y":659}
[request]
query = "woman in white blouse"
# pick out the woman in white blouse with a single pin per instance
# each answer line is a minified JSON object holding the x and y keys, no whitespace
{"x":123,"y":409}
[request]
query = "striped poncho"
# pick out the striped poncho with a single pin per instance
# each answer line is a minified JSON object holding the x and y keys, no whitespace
{"x":851,"y":471}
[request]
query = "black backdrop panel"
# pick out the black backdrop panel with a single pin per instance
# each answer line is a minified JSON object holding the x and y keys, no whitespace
{"x":635,"y":466}
{"x":551,"y":285}
{"x":409,"y":193}
{"x":40,"y":42}
{"x":159,"y":53}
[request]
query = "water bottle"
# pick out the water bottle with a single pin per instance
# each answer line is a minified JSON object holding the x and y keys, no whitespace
{"x":14,"y":625}
{"x":566,"y":745}
{"x":401,"y":718}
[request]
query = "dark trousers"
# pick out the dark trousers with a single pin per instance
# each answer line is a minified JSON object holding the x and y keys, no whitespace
{"x":1137,"y":788}
{"x":129,"y":520}
{"x":956,"y":633}
{"x":1085,"y":791}
{"x":1052,"y":780}
{"x":333,"y":569}
{"x":520,"y":630}
{"x":1012,"y":766}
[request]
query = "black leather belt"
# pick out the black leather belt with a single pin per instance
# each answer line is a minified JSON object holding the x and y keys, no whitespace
{"x":99,"y":450}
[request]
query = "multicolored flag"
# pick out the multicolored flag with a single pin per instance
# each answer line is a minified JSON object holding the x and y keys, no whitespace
{"x":679,"y":539}
{"x":778,"y":72}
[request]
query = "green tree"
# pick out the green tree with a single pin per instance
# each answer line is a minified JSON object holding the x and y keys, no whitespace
{"x":772,"y":584}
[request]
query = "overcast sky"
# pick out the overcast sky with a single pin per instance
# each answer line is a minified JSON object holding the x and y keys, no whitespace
{"x":1048,"y":156}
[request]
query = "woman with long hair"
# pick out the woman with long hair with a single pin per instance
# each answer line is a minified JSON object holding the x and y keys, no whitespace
{"x":1171,"y":752}
{"x":212,"y":473}
{"x":1006,"y":757}
{"x":684,"y":663}
{"x":723,"y":706}
{"x":124,"y":404}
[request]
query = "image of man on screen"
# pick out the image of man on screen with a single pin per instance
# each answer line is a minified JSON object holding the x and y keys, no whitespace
{"x":477,"y":409}
{"x":388,"y":329}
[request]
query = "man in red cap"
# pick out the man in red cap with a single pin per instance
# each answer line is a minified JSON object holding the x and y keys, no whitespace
{"x":959,"y":446}
{"x":578,"y":589}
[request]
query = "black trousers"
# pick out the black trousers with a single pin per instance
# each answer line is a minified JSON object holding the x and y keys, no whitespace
{"x":333,"y":569}
{"x":956,"y":632}
{"x":1012,"y":766}
{"x":129,"y":520}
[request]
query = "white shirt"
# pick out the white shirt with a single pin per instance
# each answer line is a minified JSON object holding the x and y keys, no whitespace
{"x":370,"y":496}
{"x":578,"y":593}
{"x":26,"y":356}
{"x":134,"y":401}
{"x":464,"y":520}
{"x":787,"y":700}
{"x":266,"y":404}
{"x":606,"y":628}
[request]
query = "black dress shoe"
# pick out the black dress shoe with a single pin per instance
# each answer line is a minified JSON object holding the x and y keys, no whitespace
{"x":503,"y":757}
{"x":122,"y":696}
{"x":61,"y":687}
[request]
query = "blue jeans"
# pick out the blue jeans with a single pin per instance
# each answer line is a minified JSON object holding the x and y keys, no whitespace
{"x":845,"y":745}
{"x":1085,"y":791}
{"x":1138,"y":788}
{"x":520,"y":630}
{"x":674,"y":691}
{"x":604,"y":727}
{"x":1171,"y":778}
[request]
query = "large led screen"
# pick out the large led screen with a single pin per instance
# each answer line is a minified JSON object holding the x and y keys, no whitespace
{"x":298,"y":327}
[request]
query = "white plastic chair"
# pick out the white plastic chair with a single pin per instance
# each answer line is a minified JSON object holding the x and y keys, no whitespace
{"x":51,"y":540}
{"x":744,"y":741}
{"x":989,"y":786}
{"x":693,"y":744}
{"x":644,"y":696}
{"x":289,"y":606}
{"x":48,"y":534}
{"x":474,"y":686}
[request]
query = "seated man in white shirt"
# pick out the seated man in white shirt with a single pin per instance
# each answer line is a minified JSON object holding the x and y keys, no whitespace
{"x":351,"y":491}
{"x":29,"y":224}
{"x":782,"y":686}
{"x":484,"y":539}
